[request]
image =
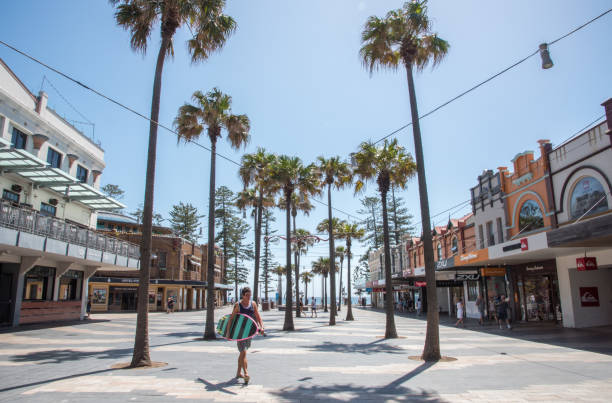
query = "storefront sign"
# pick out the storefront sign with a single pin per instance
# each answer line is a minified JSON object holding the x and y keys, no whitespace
{"x":586,"y":263}
{"x":445,"y":275}
{"x":524,"y":244}
{"x":589,"y":296}
{"x":534,"y":268}
{"x":407,"y":272}
{"x":444,"y":264}
{"x":419,"y":271}
{"x":510,"y":247}
{"x":420,"y":283}
{"x":493,"y":271}
{"x":123,"y":289}
{"x":467,"y":276}
{"x":472,"y":257}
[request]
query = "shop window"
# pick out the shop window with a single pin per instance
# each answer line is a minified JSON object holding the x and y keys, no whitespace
{"x":47,"y":210}
{"x":70,"y":285}
{"x":162,"y":256}
{"x":81,"y":174}
{"x":54,"y":158}
{"x":19,"y":139}
{"x":10,"y":196}
{"x":38,"y":284}
{"x":472,"y":290}
{"x":454,"y":247}
{"x":588,"y":197}
{"x":480,"y":237}
{"x":490,"y":234}
{"x":500,"y":231}
{"x":530,"y":217}
{"x":98,"y":295}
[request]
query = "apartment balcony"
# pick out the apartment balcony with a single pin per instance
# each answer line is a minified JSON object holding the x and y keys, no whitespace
{"x":192,"y":276}
{"x":25,"y":228}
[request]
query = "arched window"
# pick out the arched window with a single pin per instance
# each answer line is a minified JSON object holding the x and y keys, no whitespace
{"x":530,"y":217}
{"x":588,"y":196}
{"x":454,"y":246}
{"x":439,"y":251}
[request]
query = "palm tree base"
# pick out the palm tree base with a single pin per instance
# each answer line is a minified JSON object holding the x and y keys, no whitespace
{"x":349,"y":316}
{"x":288,"y":328}
{"x":210,"y":336}
{"x":391,"y":335}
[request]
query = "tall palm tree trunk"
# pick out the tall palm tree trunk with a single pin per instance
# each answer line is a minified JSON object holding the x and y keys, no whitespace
{"x":266,"y":273}
{"x":340,"y":286}
{"x":209,"y":332}
{"x":289,"y":304}
{"x":431,"y":350}
{"x":257,"y":244}
{"x":306,"y":292}
{"x":140,"y":356}
{"x":332,"y":260}
{"x":349,"y":311}
{"x":296,"y":258}
{"x":390,"y":331}
{"x":325,"y":290}
{"x":236,"y":276}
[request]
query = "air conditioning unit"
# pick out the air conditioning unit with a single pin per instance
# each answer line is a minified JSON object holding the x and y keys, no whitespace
{"x":16,"y":188}
{"x":53,"y":202}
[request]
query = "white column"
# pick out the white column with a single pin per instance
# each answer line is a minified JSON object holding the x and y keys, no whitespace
{"x":87,"y":273}
{"x":27,"y":263}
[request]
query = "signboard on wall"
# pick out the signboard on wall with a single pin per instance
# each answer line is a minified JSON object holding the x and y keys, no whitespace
{"x":589,"y":296}
{"x":586,"y":263}
{"x":493,"y":271}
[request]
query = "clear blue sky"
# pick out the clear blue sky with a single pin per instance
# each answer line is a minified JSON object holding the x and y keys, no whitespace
{"x":293,"y":68}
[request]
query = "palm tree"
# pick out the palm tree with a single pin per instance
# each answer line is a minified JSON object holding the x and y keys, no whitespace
{"x":389,"y":164}
{"x":289,"y":174}
{"x":254,"y":171}
{"x":301,"y":240}
{"x":306,"y":278}
{"x":321,"y":266}
{"x":322,"y":227}
{"x":340,"y":252}
{"x":213,"y":111}
{"x":405,"y":35}
{"x":279,"y":271}
{"x":348,"y":232}
{"x":210,"y":29}
{"x":337,"y":174}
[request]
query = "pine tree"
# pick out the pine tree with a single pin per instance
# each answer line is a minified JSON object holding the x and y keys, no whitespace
{"x":185,"y":221}
{"x":238,"y":252}
{"x":372,"y":210}
{"x":268,"y":258}
{"x":224,"y":213}
{"x":400,"y":218}
{"x":137,"y":214}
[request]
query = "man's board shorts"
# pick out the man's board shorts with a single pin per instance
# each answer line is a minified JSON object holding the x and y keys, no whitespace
{"x":243,"y":345}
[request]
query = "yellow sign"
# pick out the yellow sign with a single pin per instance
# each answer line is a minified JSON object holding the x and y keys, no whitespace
{"x":492,"y":271}
{"x":467,"y":259}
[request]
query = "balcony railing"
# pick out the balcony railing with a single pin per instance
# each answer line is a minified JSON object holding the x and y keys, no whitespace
{"x":33,"y":222}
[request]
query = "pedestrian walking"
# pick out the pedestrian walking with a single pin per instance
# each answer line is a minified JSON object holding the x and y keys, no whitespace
{"x":170,"y":305}
{"x":313,"y":307}
{"x":502,"y":312}
{"x":249,"y":308}
{"x":480,"y":305}
{"x":88,"y":307}
{"x":459,"y":313}
{"x":418,"y":306}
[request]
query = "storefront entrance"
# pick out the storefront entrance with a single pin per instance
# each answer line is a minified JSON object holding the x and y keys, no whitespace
{"x":122,"y":299}
{"x":6,"y":300}
{"x":538,"y":291}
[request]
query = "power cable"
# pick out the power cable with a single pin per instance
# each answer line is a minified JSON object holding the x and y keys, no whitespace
{"x":493,"y":76}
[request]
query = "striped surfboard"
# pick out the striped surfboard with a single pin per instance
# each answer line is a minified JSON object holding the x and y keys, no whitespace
{"x":243,"y":327}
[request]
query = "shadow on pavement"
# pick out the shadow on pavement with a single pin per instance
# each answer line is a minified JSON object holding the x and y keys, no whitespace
{"x":393,"y":391}
{"x":211,"y":387}
{"x":360,"y":348}
{"x":593,"y":339}
{"x":27,"y":385}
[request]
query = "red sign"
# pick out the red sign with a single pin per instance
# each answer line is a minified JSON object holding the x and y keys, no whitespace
{"x":524,"y":244}
{"x":586,"y":263}
{"x":589,"y":296}
{"x":420,"y":283}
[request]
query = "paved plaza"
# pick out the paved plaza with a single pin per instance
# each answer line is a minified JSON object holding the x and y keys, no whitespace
{"x":348,"y":362}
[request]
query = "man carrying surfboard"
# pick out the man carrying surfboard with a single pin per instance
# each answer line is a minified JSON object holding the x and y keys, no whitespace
{"x":249,"y":308}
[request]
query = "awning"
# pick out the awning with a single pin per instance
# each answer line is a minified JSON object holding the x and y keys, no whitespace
{"x":194,"y":262}
{"x":41,"y":174}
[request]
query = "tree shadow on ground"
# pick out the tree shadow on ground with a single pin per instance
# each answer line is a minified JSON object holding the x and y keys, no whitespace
{"x":360,"y":348}
{"x":37,"y":383}
{"x":56,"y":356}
{"x":51,"y":325}
{"x":220,"y":387}
{"x":349,"y":392}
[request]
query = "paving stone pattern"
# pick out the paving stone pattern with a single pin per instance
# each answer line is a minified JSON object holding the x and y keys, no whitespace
{"x":348,"y":362}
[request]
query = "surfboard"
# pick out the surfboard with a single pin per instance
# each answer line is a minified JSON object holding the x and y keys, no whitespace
{"x":243,"y":327}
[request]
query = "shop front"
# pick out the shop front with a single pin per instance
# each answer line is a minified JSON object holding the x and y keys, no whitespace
{"x":538,"y":291}
{"x":495,"y":285}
